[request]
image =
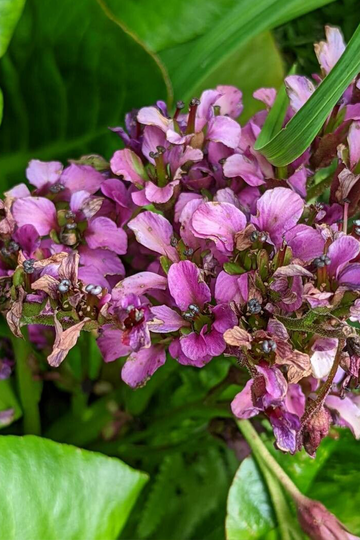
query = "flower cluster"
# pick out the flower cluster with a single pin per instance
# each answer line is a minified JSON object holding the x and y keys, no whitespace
{"x":221,"y":254}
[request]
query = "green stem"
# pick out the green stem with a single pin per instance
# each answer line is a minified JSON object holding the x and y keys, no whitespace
{"x":28,"y":388}
{"x":262,"y":454}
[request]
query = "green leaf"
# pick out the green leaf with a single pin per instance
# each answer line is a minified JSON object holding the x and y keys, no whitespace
{"x":195,"y":38}
{"x":54,"y":491}
{"x":291,"y":141}
{"x":69,"y":73}
{"x":10,"y":11}
{"x":246,"y":69}
{"x":249,"y":509}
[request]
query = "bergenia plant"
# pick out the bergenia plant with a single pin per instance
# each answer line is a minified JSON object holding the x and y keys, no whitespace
{"x":189,"y":245}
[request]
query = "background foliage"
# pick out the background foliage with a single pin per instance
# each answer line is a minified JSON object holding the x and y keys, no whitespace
{"x":71,"y":70}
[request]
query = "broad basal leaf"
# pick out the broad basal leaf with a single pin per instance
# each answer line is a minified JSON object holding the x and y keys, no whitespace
{"x":69,"y":73}
{"x":53,"y":491}
{"x":194,"y":38}
{"x":290,"y":142}
{"x":249,"y":510}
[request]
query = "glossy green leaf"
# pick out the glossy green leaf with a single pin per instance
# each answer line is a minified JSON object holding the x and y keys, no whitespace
{"x":291,"y":141}
{"x":10,"y":11}
{"x":49,"y":490}
{"x":249,"y":509}
{"x":69,"y":73}
{"x":196,"y":38}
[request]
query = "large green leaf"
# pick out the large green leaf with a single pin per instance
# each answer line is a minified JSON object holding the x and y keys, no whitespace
{"x":249,"y":510}
{"x":290,"y":142}
{"x":10,"y":11}
{"x":256,"y":64}
{"x":69,"y":73}
{"x":54,"y":491}
{"x":194,"y":38}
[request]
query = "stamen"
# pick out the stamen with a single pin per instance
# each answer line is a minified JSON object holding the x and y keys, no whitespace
{"x":71,"y":226}
{"x":13,"y":246}
{"x":28,"y":266}
{"x":268,"y":346}
{"x":64,"y":286}
{"x":95,"y":290}
{"x":56,"y":188}
{"x":160,"y":166}
{"x":190,"y":128}
{"x":254,"y":306}
{"x":179,"y":106}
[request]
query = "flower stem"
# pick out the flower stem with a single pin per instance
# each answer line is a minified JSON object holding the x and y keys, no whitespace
{"x":28,"y":388}
{"x":262,"y":454}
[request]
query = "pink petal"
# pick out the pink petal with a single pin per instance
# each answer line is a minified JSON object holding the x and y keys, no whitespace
{"x":127,"y":164}
{"x":266,"y":95}
{"x":178,"y":355}
{"x":154,"y":232}
{"x":115,"y":190}
{"x":218,"y":222}
{"x":350,"y":276}
{"x":297,"y":182}
{"x":17,"y":192}
{"x":187,"y":286}
{"x":278,"y":211}
{"x":152,"y":137}
{"x":160,"y":195}
{"x":39,"y":173}
{"x":92,"y":275}
{"x":340,"y":252}
{"x":299,"y":89}
{"x":77,"y":200}
{"x":139,"y":284}
{"x":230,"y":102}
{"x":103,"y":233}
{"x":40,"y":212}
{"x":224,"y":130}
{"x":110,"y":344}
{"x":107,"y":262}
{"x":151,"y":116}
{"x":306,"y":243}
{"x":348,"y":411}
{"x":328,"y":52}
{"x":165,"y":320}
{"x":242,"y":405}
{"x":225,"y":318}
{"x":246,"y":168}
{"x":231,"y":288}
{"x":81,"y":178}
{"x":140,"y":366}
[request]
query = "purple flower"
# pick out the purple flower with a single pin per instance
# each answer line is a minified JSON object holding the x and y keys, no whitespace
{"x":204,"y":323}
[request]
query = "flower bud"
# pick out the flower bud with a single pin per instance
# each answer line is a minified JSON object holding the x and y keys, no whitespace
{"x":320,"y":524}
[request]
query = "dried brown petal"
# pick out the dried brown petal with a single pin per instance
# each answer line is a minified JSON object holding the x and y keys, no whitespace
{"x":242,"y":238}
{"x":237,"y":337}
{"x":13,"y":316}
{"x":298,"y":364}
{"x":69,"y":266}
{"x":48,"y":284}
{"x":64,"y":341}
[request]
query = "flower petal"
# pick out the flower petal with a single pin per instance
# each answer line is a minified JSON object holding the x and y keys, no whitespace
{"x":39,"y":211}
{"x":110,"y":344}
{"x":340,"y":252}
{"x":141,"y":365}
{"x":224,"y":130}
{"x":187,"y":286}
{"x":244,"y":167}
{"x":218,"y":222}
{"x":81,"y":178}
{"x":140,"y":283}
{"x":299,"y":89}
{"x":103,"y":233}
{"x":242,"y":405}
{"x":40,"y":173}
{"x":166,"y":320}
{"x":328,"y":52}
{"x":154,"y":232}
{"x":127,"y":164}
{"x":278,"y":211}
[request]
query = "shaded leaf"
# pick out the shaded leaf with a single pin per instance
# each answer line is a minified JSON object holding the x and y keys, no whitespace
{"x":69,"y":73}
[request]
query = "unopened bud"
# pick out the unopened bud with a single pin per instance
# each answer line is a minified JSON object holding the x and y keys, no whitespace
{"x":318,"y":523}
